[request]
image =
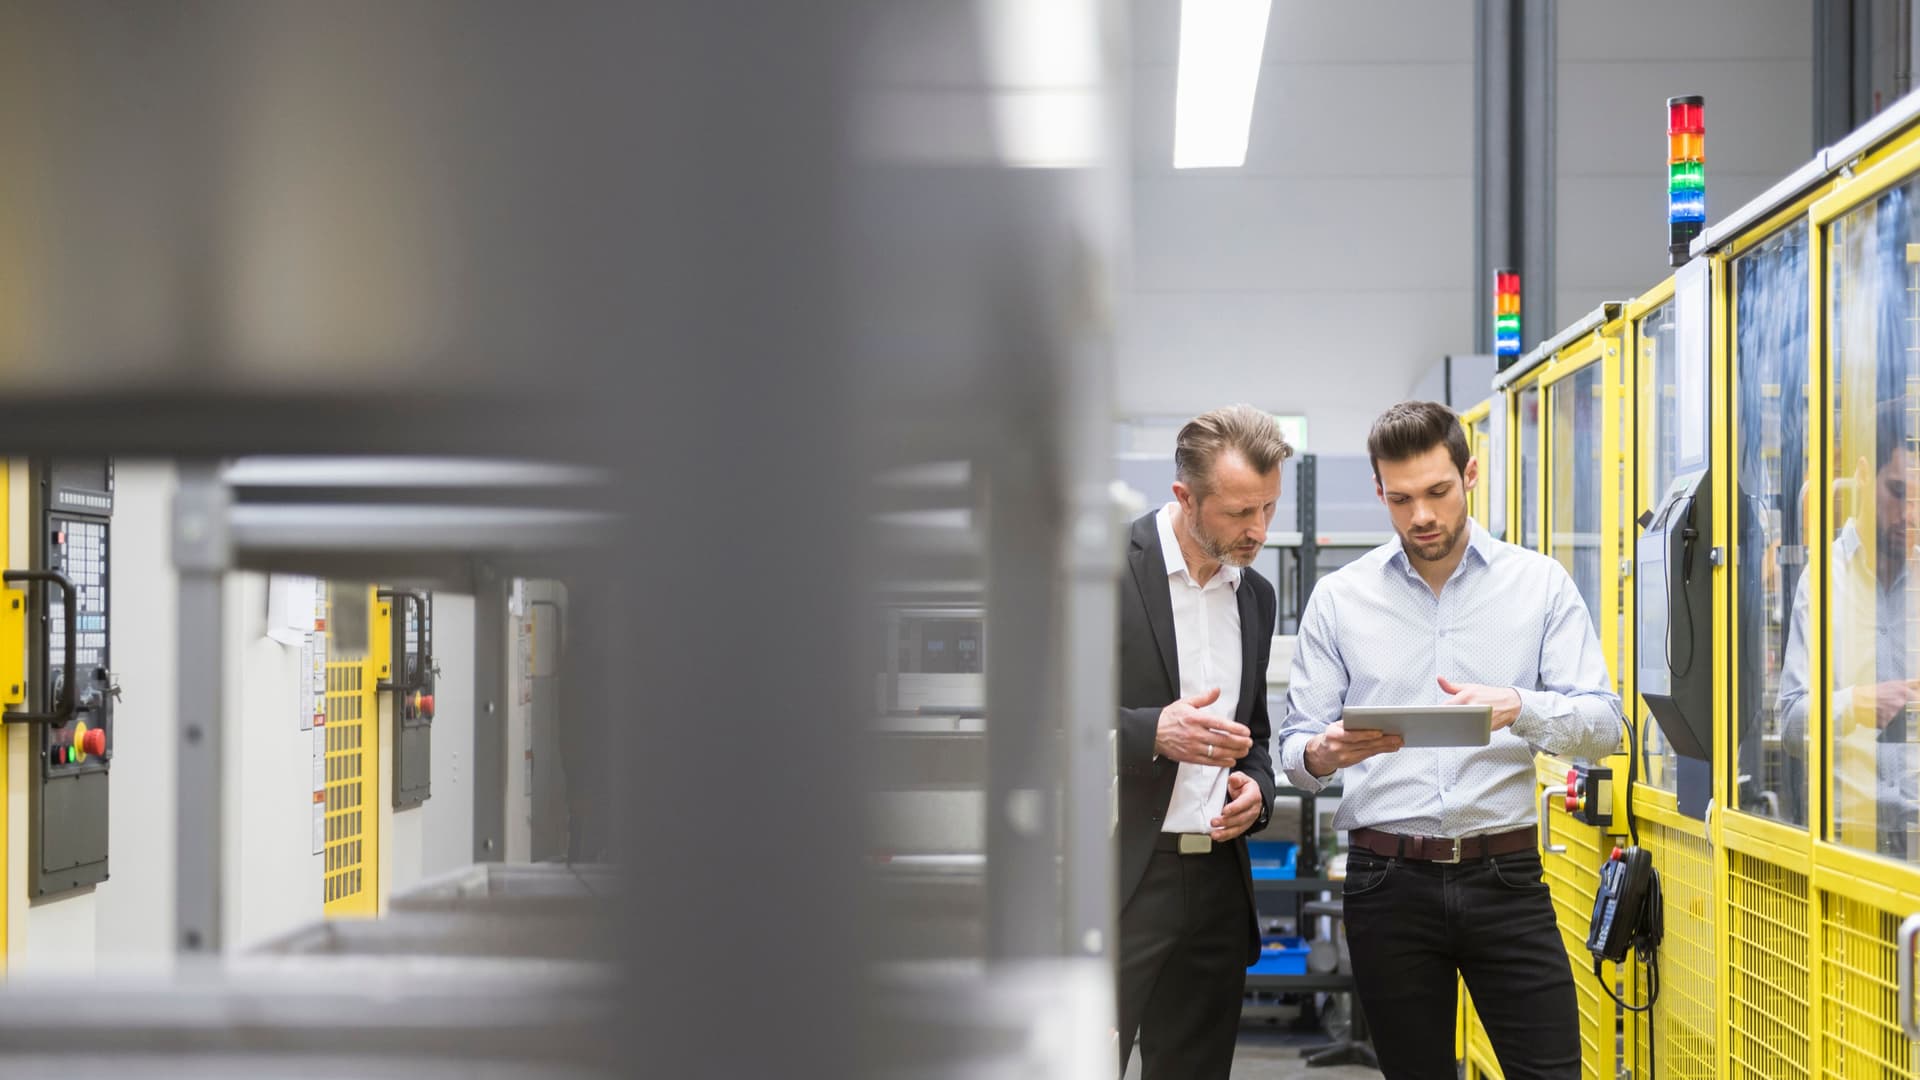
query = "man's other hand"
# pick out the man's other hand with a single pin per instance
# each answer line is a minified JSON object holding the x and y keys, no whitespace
{"x":1241,"y":811}
{"x":1200,"y":738}
{"x":1890,"y":699}
{"x":1503,"y":700}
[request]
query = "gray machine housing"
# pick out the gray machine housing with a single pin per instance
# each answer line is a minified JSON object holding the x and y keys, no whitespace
{"x":71,"y":507}
{"x":1674,"y":603}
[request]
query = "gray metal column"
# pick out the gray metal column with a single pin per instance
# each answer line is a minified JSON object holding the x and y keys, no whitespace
{"x":1306,"y":477}
{"x":1092,"y":555}
{"x":1023,"y":717}
{"x":491,"y":633}
{"x":202,"y":552}
{"x":1539,"y":64}
{"x":1515,"y":61}
{"x":1833,"y":71}
{"x":1091,"y":545}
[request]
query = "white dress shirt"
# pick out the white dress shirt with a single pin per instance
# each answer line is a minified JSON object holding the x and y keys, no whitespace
{"x":1206,"y":632}
{"x":1375,"y":634}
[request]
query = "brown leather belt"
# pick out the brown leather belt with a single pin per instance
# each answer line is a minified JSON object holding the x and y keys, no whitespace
{"x":1441,"y":849}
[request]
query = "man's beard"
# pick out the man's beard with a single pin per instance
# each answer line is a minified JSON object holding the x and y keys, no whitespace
{"x":1224,"y":554}
{"x":1893,"y":548}
{"x":1437,"y":549}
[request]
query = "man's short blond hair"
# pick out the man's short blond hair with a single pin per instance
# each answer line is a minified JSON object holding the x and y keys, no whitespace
{"x":1252,"y":433}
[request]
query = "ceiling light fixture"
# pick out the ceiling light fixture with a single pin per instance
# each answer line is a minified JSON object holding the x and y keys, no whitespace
{"x":1221,"y":42}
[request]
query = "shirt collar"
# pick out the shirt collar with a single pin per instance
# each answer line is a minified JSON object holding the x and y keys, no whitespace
{"x":1847,"y":544}
{"x":1176,"y":562}
{"x":1480,"y":544}
{"x":1847,"y":547}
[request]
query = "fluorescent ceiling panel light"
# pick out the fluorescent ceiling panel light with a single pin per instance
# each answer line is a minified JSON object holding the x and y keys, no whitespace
{"x":1220,"y":46}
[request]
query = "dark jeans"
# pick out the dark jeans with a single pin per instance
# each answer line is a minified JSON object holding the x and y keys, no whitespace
{"x":1183,"y":964}
{"x":1413,"y":926}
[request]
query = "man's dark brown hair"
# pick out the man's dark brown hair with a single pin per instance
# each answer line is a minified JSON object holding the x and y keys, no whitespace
{"x":1412,"y":428}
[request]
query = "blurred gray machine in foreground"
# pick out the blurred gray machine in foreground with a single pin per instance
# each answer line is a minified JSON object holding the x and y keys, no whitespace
{"x":739,"y":262}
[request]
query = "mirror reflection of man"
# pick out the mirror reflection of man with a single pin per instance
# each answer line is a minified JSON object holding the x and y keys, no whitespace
{"x":1876,"y":692}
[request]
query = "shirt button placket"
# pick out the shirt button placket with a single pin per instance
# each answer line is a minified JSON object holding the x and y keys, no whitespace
{"x":1442,"y":662}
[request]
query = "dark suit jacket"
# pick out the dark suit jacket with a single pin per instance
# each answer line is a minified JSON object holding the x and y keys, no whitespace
{"x":1150,"y":681}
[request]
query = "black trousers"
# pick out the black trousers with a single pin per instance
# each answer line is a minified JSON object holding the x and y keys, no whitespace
{"x":1414,"y":926}
{"x":1183,"y":964}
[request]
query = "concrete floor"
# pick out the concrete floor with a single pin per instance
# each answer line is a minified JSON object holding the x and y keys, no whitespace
{"x":1269,"y":1050}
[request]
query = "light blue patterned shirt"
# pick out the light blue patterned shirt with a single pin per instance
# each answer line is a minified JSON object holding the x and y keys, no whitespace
{"x":1375,"y":634}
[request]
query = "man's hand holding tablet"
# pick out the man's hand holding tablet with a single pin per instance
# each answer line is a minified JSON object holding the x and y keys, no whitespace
{"x":1336,"y":748}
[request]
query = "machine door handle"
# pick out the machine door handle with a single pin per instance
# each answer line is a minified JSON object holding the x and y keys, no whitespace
{"x":422,"y":609}
{"x":62,"y":708}
{"x":1547,"y":845}
{"x":1903,"y":964}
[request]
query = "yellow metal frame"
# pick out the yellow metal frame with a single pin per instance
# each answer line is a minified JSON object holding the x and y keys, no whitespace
{"x":1480,"y":446}
{"x":1601,"y":348}
{"x":1634,"y":313}
{"x":13,"y":645}
{"x":1516,"y":525}
{"x":1842,"y":879}
{"x":1780,"y":946}
{"x":353,"y":881}
{"x":1767,"y":914}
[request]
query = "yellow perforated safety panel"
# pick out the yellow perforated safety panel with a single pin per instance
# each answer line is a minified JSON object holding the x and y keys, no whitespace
{"x":1678,"y":1041}
{"x":353,"y":784}
{"x":1860,"y":1036}
{"x":1481,"y":1064}
{"x":1769,"y":981}
{"x":1574,"y":876}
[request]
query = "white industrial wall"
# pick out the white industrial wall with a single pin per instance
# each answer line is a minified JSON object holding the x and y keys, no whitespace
{"x":1618,"y":63}
{"x":272,"y":875}
{"x":1332,"y":270}
{"x":133,"y":910}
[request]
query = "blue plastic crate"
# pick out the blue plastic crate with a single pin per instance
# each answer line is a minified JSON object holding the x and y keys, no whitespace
{"x":1273,"y":860}
{"x":1281,"y":956}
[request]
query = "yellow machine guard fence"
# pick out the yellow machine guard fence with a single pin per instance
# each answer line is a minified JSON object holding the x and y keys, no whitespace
{"x":353,"y":776}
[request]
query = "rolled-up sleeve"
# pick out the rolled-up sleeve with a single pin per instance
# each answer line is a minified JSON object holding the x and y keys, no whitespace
{"x":1573,"y":712}
{"x":1316,"y":692}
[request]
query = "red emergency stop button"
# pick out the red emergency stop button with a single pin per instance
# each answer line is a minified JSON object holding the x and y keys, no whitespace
{"x":94,"y":742}
{"x":423,"y":704}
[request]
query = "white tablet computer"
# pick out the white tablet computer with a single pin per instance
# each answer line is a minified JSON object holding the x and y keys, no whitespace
{"x":1424,"y":725}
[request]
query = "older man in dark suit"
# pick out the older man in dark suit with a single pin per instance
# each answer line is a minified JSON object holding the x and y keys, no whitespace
{"x":1196,"y":627}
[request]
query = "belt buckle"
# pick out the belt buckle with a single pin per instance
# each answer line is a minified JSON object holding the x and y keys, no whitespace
{"x":1456,"y":853}
{"x":1195,"y":843}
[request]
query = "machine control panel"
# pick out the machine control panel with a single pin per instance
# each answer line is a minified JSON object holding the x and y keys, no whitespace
{"x":414,"y":674}
{"x":68,"y":835}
